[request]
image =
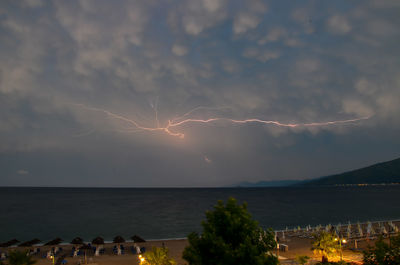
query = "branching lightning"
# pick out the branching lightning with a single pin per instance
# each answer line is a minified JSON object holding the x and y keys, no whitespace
{"x":172,"y":126}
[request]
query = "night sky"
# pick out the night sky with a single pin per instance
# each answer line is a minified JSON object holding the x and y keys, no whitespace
{"x":83,"y":84}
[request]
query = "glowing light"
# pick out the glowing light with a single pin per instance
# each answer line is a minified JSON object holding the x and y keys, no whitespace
{"x":181,"y":121}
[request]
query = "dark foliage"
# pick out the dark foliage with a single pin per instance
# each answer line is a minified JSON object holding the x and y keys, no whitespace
{"x":383,"y":253}
{"x":230,"y":236}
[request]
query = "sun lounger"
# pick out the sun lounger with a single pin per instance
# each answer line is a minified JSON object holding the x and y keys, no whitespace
{"x":283,"y":247}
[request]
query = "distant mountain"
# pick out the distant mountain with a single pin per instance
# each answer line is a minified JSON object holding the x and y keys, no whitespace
{"x":381,"y":173}
{"x":272,"y":183}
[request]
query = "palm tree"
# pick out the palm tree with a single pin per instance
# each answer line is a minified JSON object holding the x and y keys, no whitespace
{"x":325,"y":244}
{"x":158,"y":256}
{"x":302,"y":259}
{"x":20,"y":258}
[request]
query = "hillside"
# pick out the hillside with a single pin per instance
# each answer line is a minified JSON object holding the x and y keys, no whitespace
{"x":385,"y":172}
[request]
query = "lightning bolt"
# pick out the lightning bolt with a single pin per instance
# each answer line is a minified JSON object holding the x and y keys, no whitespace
{"x":181,"y":121}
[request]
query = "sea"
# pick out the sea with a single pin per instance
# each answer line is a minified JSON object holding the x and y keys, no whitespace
{"x":167,"y":213}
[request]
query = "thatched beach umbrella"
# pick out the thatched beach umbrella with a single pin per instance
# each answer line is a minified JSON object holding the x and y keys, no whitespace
{"x":9,"y":243}
{"x":118,"y":240}
{"x":98,"y":241}
{"x":54,"y":242}
{"x":138,"y":239}
{"x":30,"y":243}
{"x":77,"y":241}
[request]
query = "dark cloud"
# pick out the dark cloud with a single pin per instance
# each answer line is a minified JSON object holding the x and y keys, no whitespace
{"x":308,"y":62}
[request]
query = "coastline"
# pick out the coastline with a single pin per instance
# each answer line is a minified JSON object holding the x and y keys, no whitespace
{"x":298,"y":242}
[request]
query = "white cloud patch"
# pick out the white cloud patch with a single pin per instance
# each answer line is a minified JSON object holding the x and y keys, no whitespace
{"x":179,"y":50}
{"x":366,"y":87}
{"x":250,"y":17}
{"x":244,"y":22}
{"x":273,"y":35}
{"x":338,"y":24}
{"x":357,"y":107}
{"x":262,"y":55}
{"x":197,"y":16}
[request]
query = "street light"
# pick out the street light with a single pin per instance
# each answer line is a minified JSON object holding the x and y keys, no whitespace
{"x":141,"y":259}
{"x":341,"y":240}
{"x":52,"y":258}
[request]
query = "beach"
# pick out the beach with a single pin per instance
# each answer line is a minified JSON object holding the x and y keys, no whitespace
{"x":294,"y":242}
{"x":297,"y":246}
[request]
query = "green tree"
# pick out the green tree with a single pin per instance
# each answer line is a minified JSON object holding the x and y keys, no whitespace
{"x":325,"y":244}
{"x":20,"y":258}
{"x":383,"y":253}
{"x":158,"y":256}
{"x":302,"y":259}
{"x":230,"y":236}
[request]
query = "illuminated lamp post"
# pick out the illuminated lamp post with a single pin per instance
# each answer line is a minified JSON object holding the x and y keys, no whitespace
{"x":141,"y":259}
{"x":341,"y":240}
{"x":52,"y":258}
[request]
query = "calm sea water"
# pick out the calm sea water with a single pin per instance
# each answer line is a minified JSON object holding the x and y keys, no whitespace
{"x":46,"y":213}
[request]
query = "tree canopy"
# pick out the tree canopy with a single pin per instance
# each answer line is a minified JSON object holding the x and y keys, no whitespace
{"x":158,"y":256}
{"x":325,"y":244}
{"x":230,"y":236}
{"x":20,"y":258}
{"x":383,"y":253}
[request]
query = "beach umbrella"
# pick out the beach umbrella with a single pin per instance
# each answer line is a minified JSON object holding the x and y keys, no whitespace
{"x":53,"y":242}
{"x":369,"y":228}
{"x":118,"y":239}
{"x":98,"y":241}
{"x":360,"y":231}
{"x":30,"y":243}
{"x":77,"y":241}
{"x":9,"y":243}
{"x":138,"y":239}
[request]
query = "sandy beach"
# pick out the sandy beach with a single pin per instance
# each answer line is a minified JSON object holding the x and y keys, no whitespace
{"x":297,"y":246}
{"x":298,"y":242}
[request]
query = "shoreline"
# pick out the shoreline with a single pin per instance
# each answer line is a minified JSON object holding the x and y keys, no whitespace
{"x":298,"y":242}
{"x":289,"y":229}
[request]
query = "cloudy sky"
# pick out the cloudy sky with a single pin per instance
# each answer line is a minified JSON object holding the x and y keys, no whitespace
{"x":79,"y":80}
